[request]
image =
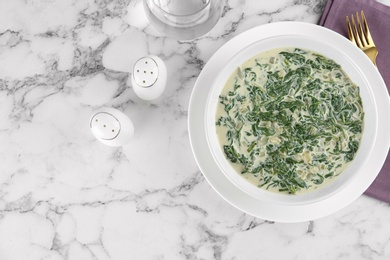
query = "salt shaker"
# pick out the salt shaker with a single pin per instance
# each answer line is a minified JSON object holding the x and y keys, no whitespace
{"x":149,"y":77}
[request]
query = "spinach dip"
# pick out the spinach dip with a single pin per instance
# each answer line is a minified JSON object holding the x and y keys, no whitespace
{"x":289,"y":120}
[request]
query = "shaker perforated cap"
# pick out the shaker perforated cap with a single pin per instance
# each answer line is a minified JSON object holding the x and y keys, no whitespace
{"x":145,"y":72}
{"x":105,"y":126}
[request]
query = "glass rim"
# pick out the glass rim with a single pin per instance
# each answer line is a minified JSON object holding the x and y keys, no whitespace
{"x":178,"y":15}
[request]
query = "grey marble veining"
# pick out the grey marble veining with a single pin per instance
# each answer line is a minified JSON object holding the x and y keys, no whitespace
{"x":64,"y":195}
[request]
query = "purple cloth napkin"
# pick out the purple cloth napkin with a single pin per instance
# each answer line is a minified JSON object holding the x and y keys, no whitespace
{"x":378,"y":18}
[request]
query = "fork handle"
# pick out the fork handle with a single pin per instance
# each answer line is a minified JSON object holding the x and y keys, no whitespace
{"x":371,"y":53}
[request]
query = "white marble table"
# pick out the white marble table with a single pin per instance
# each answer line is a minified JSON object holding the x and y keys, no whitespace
{"x":64,"y":195}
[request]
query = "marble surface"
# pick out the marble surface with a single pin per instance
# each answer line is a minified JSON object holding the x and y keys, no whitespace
{"x":64,"y":195}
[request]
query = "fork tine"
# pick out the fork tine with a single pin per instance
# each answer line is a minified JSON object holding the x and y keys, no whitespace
{"x":350,"y":33}
{"x":362,"y":34}
{"x":367,"y":31}
{"x":355,"y":33}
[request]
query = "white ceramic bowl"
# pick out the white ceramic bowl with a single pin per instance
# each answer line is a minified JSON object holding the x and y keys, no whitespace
{"x":369,"y":130}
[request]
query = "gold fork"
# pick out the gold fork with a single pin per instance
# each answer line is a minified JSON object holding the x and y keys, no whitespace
{"x":360,"y":35}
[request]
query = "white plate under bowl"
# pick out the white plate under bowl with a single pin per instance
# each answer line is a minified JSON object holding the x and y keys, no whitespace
{"x":353,"y":71}
{"x":280,"y":211}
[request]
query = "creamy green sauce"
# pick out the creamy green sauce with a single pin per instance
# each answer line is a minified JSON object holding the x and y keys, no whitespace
{"x":289,"y":120}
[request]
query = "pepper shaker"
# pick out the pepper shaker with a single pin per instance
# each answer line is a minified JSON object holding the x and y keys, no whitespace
{"x":111,"y":126}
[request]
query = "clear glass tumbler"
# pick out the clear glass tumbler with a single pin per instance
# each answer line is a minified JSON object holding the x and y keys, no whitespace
{"x":183,"y":19}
